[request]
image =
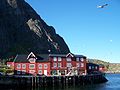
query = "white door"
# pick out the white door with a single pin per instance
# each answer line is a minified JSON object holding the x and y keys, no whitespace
{"x":45,"y":72}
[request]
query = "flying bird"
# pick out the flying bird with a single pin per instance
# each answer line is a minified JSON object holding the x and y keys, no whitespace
{"x":102,"y":6}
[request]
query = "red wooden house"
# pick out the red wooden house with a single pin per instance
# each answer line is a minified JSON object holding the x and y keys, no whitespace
{"x":49,"y":64}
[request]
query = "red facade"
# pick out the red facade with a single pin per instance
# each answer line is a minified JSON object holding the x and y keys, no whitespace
{"x":55,"y":64}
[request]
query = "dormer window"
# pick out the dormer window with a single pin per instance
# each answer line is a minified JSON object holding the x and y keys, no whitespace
{"x":32,"y":60}
{"x":68,"y":59}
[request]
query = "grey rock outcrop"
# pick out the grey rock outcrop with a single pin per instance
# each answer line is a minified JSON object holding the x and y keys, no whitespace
{"x":22,"y":30}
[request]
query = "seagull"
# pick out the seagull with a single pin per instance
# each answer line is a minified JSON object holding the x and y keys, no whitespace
{"x":102,"y":6}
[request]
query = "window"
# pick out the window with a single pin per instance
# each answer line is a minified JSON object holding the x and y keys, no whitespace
{"x":54,"y":64}
{"x":55,"y":58}
{"x":82,"y":59}
{"x":69,"y":65}
{"x":82,"y":64}
{"x":68,"y":59}
{"x":45,"y":66}
{"x":40,"y":66}
{"x":8,"y":65}
{"x":96,"y":67}
{"x":40,"y":72}
{"x":77,"y":65}
{"x":32,"y":60}
{"x":18,"y":72}
{"x":32,"y":66}
{"x":59,"y":65}
{"x":32,"y":71}
{"x":77,"y":59}
{"x":18,"y":66}
{"x":23,"y":71}
{"x":93,"y":67}
{"x":59,"y":59}
{"x":24,"y":66}
{"x":89,"y":67}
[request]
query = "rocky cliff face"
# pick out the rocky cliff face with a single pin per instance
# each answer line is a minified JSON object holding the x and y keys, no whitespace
{"x":22,"y":30}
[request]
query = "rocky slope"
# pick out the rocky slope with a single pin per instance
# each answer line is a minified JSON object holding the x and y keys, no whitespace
{"x":22,"y":30}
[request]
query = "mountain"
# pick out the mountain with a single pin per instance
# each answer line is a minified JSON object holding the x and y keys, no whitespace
{"x":22,"y":30}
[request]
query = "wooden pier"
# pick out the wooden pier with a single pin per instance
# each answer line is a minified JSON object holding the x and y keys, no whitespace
{"x":50,"y":81}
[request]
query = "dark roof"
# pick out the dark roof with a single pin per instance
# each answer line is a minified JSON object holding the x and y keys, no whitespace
{"x":57,"y":55}
{"x":82,"y":56}
{"x":92,"y":64}
{"x":64,"y":55}
{"x":40,"y":57}
{"x":23,"y":58}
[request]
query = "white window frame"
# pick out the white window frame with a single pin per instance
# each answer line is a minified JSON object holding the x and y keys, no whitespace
{"x":81,"y":64}
{"x":23,"y":66}
{"x":59,"y":59}
{"x":59,"y":65}
{"x":54,"y":58}
{"x":32,"y":71}
{"x":18,"y":72}
{"x":69,"y":65}
{"x":81,"y":59}
{"x":45,"y":66}
{"x":77,"y":59}
{"x":93,"y":67}
{"x":23,"y":71}
{"x":31,"y":67}
{"x":18,"y":66}
{"x":40,"y":72}
{"x":96,"y":67}
{"x":77,"y":65}
{"x":40,"y":66}
{"x":69,"y":59}
{"x":90,"y":67}
{"x":54,"y":64}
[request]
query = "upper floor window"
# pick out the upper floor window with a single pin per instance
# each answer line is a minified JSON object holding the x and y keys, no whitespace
{"x":96,"y":67}
{"x":24,"y":66}
{"x":89,"y":67}
{"x":82,"y":64}
{"x":68,"y":59}
{"x":32,"y":66}
{"x":59,"y":59}
{"x":59,"y":65}
{"x":54,"y":64}
{"x":93,"y":67}
{"x":69,"y":65}
{"x":45,"y":66}
{"x":77,"y":59}
{"x":82,"y":59}
{"x":55,"y":59}
{"x":77,"y":65}
{"x":40,"y":66}
{"x":18,"y":66}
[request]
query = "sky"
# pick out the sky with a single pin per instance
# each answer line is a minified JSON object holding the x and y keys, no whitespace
{"x":87,"y":30}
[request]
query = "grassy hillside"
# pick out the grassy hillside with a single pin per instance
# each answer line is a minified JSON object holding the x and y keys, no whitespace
{"x":97,"y":61}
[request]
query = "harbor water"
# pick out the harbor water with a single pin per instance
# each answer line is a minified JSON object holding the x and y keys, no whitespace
{"x":112,"y":84}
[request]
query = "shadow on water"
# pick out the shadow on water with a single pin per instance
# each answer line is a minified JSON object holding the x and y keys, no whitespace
{"x":112,"y":84}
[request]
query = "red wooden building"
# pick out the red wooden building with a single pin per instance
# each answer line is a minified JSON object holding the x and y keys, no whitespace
{"x":49,"y":64}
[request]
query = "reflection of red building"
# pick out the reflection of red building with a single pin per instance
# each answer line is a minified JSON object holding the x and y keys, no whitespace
{"x":49,"y":64}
